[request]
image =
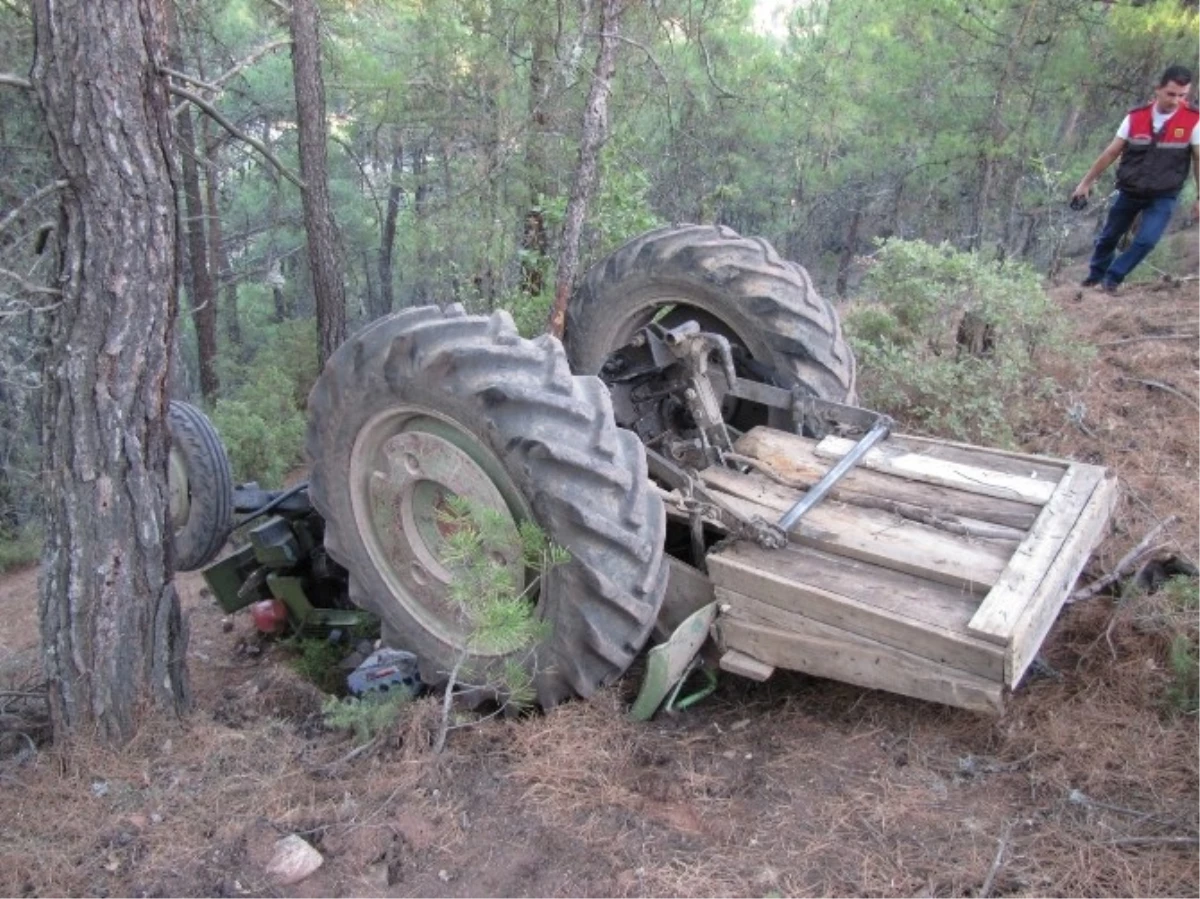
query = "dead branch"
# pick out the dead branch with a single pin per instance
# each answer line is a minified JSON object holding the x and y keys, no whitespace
{"x":15,"y":81}
{"x":1154,"y":841}
{"x":30,"y":287}
{"x":30,"y":200}
{"x":216,"y":116}
{"x":712,"y":79}
{"x":252,"y":58}
{"x":1161,"y":386}
{"x":1127,"y":563}
{"x":218,"y":85}
{"x":986,"y":889}
{"x":447,"y":704}
{"x":22,"y":694}
{"x":190,"y":79}
{"x":331,"y":769}
{"x":1125,"y":340}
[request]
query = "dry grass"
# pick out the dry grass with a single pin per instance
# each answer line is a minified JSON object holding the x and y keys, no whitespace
{"x":1088,"y":785}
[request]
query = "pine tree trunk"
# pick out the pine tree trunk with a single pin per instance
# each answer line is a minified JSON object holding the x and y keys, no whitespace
{"x":595,"y":127}
{"x":535,"y":242}
{"x":113,"y":639}
{"x":202,"y":293}
{"x":217,"y":251}
{"x":329,"y":292}
{"x":387,"y":241}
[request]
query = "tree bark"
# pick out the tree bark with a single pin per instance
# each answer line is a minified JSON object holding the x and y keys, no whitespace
{"x":329,"y":292}
{"x":387,"y":241}
{"x":218,"y":253}
{"x":535,"y":242}
{"x":113,"y":639}
{"x":847,"y":257}
{"x":201,"y":291}
{"x":996,"y":132}
{"x":421,"y":290}
{"x":595,"y":127}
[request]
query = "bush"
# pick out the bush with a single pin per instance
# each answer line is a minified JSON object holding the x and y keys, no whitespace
{"x":20,"y":548}
{"x":261,"y":417}
{"x":949,"y":342}
{"x":262,"y":430}
{"x":365,"y":717}
{"x":316,"y":660}
{"x":1183,"y":598}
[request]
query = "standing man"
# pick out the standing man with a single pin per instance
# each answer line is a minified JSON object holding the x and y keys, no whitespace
{"x":1157,"y":144}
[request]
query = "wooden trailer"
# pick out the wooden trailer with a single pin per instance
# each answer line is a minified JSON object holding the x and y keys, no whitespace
{"x":932,"y":569}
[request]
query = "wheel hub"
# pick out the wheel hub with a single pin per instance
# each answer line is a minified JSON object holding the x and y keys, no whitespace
{"x":409,"y":478}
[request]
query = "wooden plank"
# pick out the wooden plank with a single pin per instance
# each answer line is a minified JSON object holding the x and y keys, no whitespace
{"x":825,"y":651}
{"x":1043,"y":606}
{"x":793,"y":458}
{"x":931,"y":623}
{"x":893,"y":592}
{"x":745,"y":666}
{"x":1010,"y":461}
{"x":1000,"y":610}
{"x":969,"y":564}
{"x":960,"y":475}
{"x":687,"y":590}
{"x":784,"y":496}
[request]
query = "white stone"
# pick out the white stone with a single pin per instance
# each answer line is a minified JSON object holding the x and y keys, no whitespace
{"x":294,"y":860}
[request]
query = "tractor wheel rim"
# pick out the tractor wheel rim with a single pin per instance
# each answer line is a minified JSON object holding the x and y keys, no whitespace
{"x":405,"y":465}
{"x":178,"y":490}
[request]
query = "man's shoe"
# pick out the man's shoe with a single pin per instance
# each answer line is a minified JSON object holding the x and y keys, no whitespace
{"x":1109,"y":286}
{"x":1089,"y":282}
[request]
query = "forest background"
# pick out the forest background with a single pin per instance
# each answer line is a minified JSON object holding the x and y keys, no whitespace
{"x":455,"y":129}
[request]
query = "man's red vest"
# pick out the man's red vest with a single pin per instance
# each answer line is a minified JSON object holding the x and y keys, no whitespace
{"x":1156,"y":164}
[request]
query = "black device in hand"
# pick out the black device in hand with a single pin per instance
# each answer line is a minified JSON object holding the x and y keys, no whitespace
{"x":1078,"y":203}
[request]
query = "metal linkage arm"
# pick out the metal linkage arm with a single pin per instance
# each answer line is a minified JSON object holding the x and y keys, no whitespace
{"x":880,"y":430}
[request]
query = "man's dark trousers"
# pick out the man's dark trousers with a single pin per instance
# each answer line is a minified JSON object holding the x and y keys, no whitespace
{"x":1156,"y":213}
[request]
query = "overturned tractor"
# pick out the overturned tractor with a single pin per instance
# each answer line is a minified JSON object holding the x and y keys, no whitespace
{"x":694,"y":446}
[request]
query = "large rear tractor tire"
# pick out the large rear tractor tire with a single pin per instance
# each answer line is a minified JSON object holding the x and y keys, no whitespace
{"x":428,"y":404}
{"x":782,"y":331}
{"x":200,"y":485}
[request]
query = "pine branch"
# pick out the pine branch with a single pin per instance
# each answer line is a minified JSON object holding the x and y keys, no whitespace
{"x":30,"y":200}
{"x":216,"y":116}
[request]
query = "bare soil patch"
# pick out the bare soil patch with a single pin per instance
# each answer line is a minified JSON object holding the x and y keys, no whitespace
{"x":799,"y":786}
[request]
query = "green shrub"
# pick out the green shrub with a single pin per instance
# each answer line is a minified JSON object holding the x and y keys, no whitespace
{"x":365,"y":717}
{"x":499,"y":617}
{"x":262,"y":428}
{"x":20,"y":548}
{"x":950,"y":342}
{"x":1183,"y":693}
{"x":1183,"y":599}
{"x":316,"y":660}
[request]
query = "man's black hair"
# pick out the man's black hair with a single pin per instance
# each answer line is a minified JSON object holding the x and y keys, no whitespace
{"x":1178,"y":74}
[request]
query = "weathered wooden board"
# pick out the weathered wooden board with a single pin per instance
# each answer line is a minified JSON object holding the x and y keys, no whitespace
{"x":825,"y":651}
{"x":745,"y":666}
{"x":959,"y":475}
{"x":793,"y":458}
{"x":1043,"y":605}
{"x":1003,"y":606}
{"x":687,"y":591}
{"x":922,"y":616}
{"x":1009,"y":461}
{"x":972,"y":565}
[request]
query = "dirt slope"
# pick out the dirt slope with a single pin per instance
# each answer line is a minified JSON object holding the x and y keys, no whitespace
{"x":1087,"y":785}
